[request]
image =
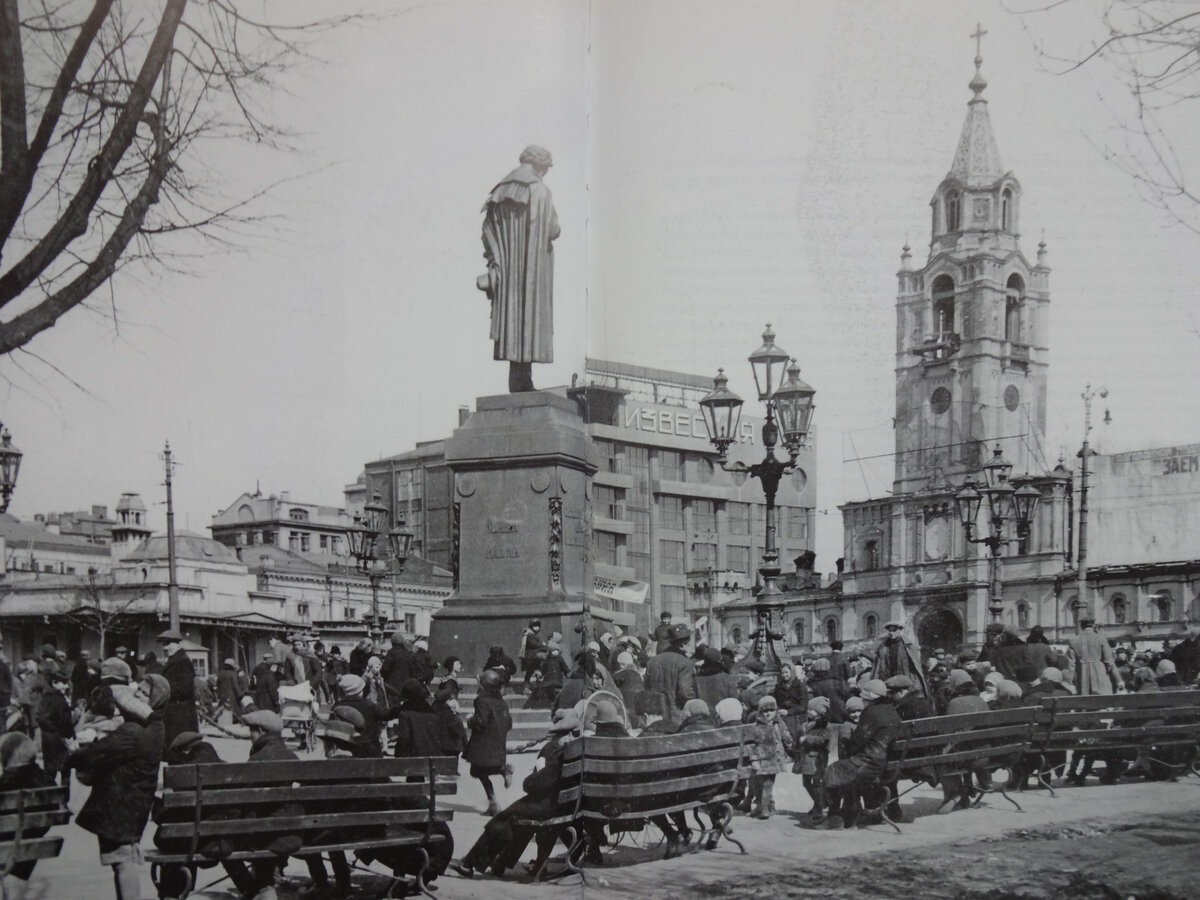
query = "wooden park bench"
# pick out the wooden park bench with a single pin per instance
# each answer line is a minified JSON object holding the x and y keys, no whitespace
{"x":31,"y":809}
{"x":623,"y":782}
{"x":932,"y":749}
{"x":220,"y":812}
{"x":1114,"y":726}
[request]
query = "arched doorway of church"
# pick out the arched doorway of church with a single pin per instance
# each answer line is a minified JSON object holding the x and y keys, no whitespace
{"x":939,"y":629}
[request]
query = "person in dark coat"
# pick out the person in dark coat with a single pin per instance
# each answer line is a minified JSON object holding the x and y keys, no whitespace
{"x":453,"y":731}
{"x":56,"y":725}
{"x":19,"y":771}
{"x":419,"y":730}
{"x":1049,"y":684}
{"x":398,"y":665}
{"x":123,"y":654}
{"x":501,"y":844}
{"x":863,"y":757}
{"x":264,"y":681}
{"x":672,"y":676}
{"x":150,"y":664}
{"x":628,"y":680}
{"x":825,"y":684}
{"x":713,"y":682}
{"x":82,"y":681}
{"x":122,"y":769}
{"x":501,"y":662}
{"x":228,"y":697}
{"x":790,"y":691}
{"x":839,"y":665}
{"x":424,"y":668}
{"x":489,"y":726}
{"x":351,"y":688}
{"x":662,"y":634}
{"x":180,"y":713}
{"x":533,"y":650}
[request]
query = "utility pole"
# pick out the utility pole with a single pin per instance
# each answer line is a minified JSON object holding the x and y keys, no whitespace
{"x":172,"y":583}
{"x":1084,"y":454}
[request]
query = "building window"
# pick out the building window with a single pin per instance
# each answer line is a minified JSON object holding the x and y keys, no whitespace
{"x":608,"y":455}
{"x":639,"y":540}
{"x":608,"y":501}
{"x":1022,"y":615}
{"x":670,"y":465}
{"x":293,"y":541}
{"x":831,"y":629}
{"x":268,"y":537}
{"x":870,"y":626}
{"x":943,"y":306}
{"x":410,"y":623}
{"x":298,"y":515}
{"x":640,"y":563}
{"x":1006,"y":210}
{"x":1120,"y":609}
{"x":672,"y":557}
{"x":738,"y":559}
{"x":670,"y":512}
{"x":606,"y":547}
{"x":738,"y":517}
{"x":239,"y":539}
{"x":324,"y":542}
{"x":704,"y":556}
{"x":797,"y":522}
{"x":704,"y":517}
{"x":736,"y":634}
{"x":305,"y":540}
{"x":871,"y":556}
{"x":351,"y":612}
{"x":674,"y":598}
{"x":798,"y":631}
{"x":952,"y":210}
{"x":1163,"y":602}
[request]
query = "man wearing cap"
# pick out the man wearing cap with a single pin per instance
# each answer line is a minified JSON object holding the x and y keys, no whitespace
{"x":671,"y":675}
{"x":893,"y":656}
{"x":864,"y":755}
{"x":662,"y":634}
{"x":227,"y":688}
{"x":910,"y":704}
{"x":533,"y":651}
{"x":1092,"y":659}
{"x":180,"y":713}
{"x":500,"y":846}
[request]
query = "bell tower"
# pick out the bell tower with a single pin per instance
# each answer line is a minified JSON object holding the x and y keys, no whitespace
{"x":971,"y":324}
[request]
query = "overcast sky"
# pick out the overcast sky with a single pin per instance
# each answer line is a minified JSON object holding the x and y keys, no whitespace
{"x":717,"y":166}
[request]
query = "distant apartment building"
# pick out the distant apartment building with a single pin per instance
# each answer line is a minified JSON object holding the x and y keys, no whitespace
{"x":310,"y":529}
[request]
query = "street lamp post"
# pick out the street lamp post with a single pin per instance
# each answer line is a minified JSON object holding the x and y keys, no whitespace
{"x":372,"y":560}
{"x":789,"y":405}
{"x":10,"y":465}
{"x":1007,"y":499}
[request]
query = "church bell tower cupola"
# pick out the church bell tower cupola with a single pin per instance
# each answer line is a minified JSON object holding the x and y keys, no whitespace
{"x":978,"y":202}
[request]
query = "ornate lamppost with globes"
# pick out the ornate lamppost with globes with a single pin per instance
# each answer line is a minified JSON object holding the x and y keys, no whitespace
{"x":10,"y":465}
{"x":369,"y":527}
{"x":789,"y":405}
{"x":1008,"y":499}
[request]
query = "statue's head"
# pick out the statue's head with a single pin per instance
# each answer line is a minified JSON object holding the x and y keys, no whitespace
{"x":538,"y":157}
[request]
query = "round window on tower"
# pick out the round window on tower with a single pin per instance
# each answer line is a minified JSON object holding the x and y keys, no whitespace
{"x":939,"y":402}
{"x":1012,"y":397}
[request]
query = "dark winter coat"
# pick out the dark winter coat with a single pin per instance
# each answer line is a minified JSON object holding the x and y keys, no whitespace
{"x":179,"y":715}
{"x":124,"y":773}
{"x":837,"y":691}
{"x":672,"y":675}
{"x":794,"y":694}
{"x":419,"y":730}
{"x":398,"y":667}
{"x":6,"y":683}
{"x":227,"y":687}
{"x":712,"y":689}
{"x":266,"y":687}
{"x":869,"y":744}
{"x":373,"y":717}
{"x":489,"y":726}
{"x":454,"y":732}
{"x":630,"y":684}
{"x":54,"y":720}
{"x":913,"y":706}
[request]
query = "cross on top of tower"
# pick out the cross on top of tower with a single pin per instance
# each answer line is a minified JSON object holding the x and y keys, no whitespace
{"x":978,"y":83}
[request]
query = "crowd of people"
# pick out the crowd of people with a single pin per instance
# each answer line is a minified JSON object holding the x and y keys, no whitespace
{"x":828,"y":719}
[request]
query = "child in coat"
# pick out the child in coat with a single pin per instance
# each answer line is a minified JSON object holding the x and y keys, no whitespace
{"x":812,"y":755}
{"x":772,"y":755}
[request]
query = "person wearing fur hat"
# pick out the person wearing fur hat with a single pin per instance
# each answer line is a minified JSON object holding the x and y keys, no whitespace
{"x":19,"y":771}
{"x":864,"y":756}
{"x":670,"y":675}
{"x":123,"y":770}
{"x":771,"y":756}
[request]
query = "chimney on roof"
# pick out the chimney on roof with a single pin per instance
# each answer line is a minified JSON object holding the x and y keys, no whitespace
{"x":285,"y":496}
{"x":464,"y":413}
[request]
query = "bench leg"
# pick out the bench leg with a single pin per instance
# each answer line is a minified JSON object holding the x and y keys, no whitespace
{"x":418,"y":881}
{"x":578,"y":839}
{"x":723,"y":828}
{"x":1044,"y":775}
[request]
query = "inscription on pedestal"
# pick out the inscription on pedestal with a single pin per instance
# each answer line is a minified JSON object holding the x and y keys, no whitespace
{"x":503,"y":539}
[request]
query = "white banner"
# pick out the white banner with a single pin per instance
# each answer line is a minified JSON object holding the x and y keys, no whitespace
{"x":624,"y":589}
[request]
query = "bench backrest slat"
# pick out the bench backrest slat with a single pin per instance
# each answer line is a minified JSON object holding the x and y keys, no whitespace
{"x":297,"y":823}
{"x":305,"y":771}
{"x":34,"y":798}
{"x":1122,"y":701}
{"x":238,"y":796}
{"x":647,"y":746}
{"x":633,"y":767}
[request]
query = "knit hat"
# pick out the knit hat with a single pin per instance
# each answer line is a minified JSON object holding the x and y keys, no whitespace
{"x":1008,"y":690}
{"x":160,"y":690}
{"x":874,"y":687}
{"x":821,"y":664}
{"x":729,"y":710}
{"x":351,"y":685}
{"x":624,"y":659}
{"x":695,"y":707}
{"x":1051,"y":673}
{"x":967,"y":656}
{"x":959,"y":677}
{"x":993,"y":678}
{"x":265,"y":720}
{"x":818,"y":705}
{"x":767,"y":702}
{"x":115,"y":670}
{"x":855,"y":703}
{"x":1164,"y":667}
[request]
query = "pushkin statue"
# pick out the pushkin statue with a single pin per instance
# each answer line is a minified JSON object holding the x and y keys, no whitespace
{"x":519,"y":228}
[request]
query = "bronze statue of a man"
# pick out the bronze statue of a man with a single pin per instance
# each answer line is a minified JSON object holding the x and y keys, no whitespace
{"x":519,"y":227}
